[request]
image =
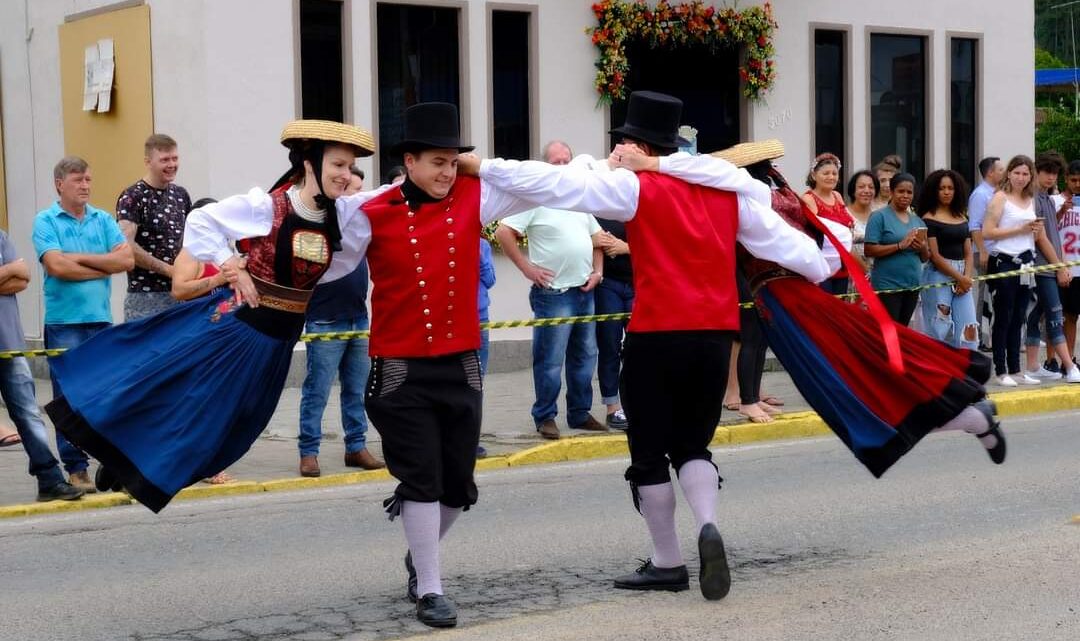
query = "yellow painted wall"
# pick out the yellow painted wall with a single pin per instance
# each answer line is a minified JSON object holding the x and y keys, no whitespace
{"x":111,"y":142}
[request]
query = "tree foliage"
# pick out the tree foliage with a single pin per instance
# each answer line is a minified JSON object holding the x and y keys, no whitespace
{"x":1046,"y":60}
{"x":1060,"y":132}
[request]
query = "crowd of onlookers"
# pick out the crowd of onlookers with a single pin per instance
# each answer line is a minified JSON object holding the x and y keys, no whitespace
{"x":923,"y":243}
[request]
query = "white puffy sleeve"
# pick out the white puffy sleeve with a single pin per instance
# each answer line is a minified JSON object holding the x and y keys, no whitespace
{"x":709,"y":171}
{"x":832,"y":255}
{"x":210,"y":230}
{"x":511,"y":186}
{"x":355,"y":233}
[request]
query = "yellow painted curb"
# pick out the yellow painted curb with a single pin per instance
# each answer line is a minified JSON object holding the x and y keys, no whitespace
{"x":787,"y":426}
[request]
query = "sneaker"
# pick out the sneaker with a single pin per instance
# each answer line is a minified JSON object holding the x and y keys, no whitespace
{"x":481,"y":451}
{"x":1044,"y":374}
{"x":1052,"y":365}
{"x":1027,"y":379}
{"x":1007,"y":381}
{"x":617,"y":420}
{"x":81,"y":481}
{"x":1074,"y":375}
{"x":62,"y":491}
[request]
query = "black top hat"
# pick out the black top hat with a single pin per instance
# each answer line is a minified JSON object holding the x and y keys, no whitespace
{"x":431,"y":125}
{"x":653,"y":118}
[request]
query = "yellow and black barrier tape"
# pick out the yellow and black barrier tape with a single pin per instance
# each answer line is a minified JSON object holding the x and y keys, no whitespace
{"x":595,"y":318}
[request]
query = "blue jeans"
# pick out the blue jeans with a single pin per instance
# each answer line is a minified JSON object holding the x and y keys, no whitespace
{"x":66,"y":337}
{"x":612,"y":297}
{"x":947,"y":315}
{"x":1048,"y":303}
{"x":349,"y":361}
{"x":17,"y":390}
{"x":485,"y":349}
{"x":575,"y":343}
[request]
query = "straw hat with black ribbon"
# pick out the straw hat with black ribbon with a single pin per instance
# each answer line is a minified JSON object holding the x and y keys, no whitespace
{"x":307,"y":140}
{"x":749,"y":153}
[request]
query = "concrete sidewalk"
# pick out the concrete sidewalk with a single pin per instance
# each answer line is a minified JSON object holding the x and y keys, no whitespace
{"x":507,"y":429}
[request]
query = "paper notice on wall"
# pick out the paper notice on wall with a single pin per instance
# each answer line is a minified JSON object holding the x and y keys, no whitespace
{"x":90,"y":61}
{"x":98,"y":77}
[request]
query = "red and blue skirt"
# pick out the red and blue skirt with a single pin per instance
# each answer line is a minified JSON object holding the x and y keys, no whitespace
{"x":835,"y":353}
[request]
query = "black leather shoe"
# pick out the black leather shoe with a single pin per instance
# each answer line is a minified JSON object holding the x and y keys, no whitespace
{"x":411,"y":592}
{"x":715,"y":577}
{"x":989,"y":410}
{"x":62,"y":491}
{"x":106,"y":481}
{"x":437,"y":611}
{"x":650,"y":577}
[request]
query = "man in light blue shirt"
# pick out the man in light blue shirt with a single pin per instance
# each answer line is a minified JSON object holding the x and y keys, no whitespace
{"x":80,"y":247}
{"x":992,"y":171}
{"x":565,"y":265}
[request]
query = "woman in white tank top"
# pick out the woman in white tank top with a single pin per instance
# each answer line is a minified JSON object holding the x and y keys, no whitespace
{"x":1012,"y":226}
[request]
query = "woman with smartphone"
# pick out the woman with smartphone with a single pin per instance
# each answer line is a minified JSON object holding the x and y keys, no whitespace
{"x":1012,"y":225}
{"x":896,"y":240}
{"x":948,"y":310}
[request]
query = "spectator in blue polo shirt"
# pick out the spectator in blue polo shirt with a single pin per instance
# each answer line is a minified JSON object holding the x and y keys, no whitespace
{"x":80,"y":247}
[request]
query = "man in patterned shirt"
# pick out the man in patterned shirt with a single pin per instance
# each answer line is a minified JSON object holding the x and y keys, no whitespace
{"x":152,"y":214}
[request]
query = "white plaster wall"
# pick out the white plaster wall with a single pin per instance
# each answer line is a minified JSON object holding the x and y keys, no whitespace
{"x":1007,"y":51}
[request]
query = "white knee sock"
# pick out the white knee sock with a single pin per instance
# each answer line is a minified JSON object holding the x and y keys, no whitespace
{"x":700,"y":485}
{"x":972,"y":421}
{"x":658,"y":507}
{"x":447,"y":516}
{"x":421,"y":521}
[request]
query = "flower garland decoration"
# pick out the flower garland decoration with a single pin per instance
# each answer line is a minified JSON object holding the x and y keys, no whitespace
{"x":672,"y":25}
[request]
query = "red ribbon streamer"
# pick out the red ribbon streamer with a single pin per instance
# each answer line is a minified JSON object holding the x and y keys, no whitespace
{"x":862,"y":285}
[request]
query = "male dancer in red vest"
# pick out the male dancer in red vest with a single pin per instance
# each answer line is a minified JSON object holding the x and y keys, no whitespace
{"x":684,"y":318}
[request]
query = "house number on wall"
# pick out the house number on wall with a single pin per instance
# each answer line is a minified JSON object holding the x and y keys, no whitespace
{"x":780,"y":118}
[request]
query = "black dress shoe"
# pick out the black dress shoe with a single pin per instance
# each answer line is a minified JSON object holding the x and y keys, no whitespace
{"x":437,"y":611}
{"x":989,"y":410}
{"x":650,"y":577}
{"x":106,"y":481}
{"x":715,"y":577}
{"x":411,"y":592}
{"x":62,"y":491}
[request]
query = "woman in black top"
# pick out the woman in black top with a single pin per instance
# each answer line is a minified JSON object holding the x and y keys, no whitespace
{"x":948,"y":310}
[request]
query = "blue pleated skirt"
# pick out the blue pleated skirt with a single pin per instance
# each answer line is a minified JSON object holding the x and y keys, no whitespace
{"x":173,"y":398}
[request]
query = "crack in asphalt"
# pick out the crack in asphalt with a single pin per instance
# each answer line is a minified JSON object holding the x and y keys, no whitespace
{"x":494,"y":595}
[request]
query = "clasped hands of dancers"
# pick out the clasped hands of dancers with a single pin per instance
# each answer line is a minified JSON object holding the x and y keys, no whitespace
{"x":201,"y":380}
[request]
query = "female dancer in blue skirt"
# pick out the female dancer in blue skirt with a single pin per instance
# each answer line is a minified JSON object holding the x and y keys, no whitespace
{"x":176,"y":397}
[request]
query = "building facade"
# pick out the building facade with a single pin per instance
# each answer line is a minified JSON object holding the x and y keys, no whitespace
{"x":939,"y":83}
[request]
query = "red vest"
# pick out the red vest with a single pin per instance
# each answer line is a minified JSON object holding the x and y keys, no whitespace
{"x":425,"y":271}
{"x":308,"y":250}
{"x":683,"y":244}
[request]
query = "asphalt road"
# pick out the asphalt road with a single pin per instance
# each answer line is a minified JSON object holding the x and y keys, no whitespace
{"x":946,"y":546}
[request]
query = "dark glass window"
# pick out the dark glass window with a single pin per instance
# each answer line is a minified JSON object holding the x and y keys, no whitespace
{"x":898,"y":100}
{"x":510,"y":84}
{"x":322,"y":77}
{"x":418,"y":62}
{"x":829,"y":91}
{"x":964,"y":99}
{"x":711,"y":102}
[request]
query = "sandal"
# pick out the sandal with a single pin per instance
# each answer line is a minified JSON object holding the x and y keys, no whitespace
{"x":772,"y":400}
{"x":732,"y":407}
{"x":763,"y":417}
{"x":10,"y":439}
{"x":221,"y":478}
{"x":769,"y":408}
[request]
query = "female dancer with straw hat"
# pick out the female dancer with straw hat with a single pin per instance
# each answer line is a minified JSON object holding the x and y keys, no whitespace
{"x":200,"y":381}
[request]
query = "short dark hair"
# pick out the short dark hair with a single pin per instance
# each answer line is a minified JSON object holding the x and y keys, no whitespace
{"x":395,"y":172}
{"x":900,"y":178}
{"x":928,"y":197}
{"x":356,"y":171}
{"x":202,"y":202}
{"x":986,"y":164}
{"x":1074,"y":168}
{"x":158,"y":142}
{"x":1050,"y":162}
{"x":855,"y":178}
{"x":69,"y":165}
